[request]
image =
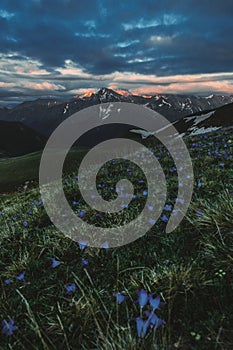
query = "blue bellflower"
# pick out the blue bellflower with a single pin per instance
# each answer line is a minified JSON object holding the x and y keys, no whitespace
{"x":141,"y":327}
{"x":154,"y":303}
{"x":21,"y":276}
{"x":82,"y":244}
{"x":70,"y":288}
{"x":84,"y":262}
{"x":142,"y":298}
{"x":8,"y":327}
{"x":120,"y":297}
{"x":55,"y":263}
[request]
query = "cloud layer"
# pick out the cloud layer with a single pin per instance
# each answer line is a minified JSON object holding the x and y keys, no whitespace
{"x":60,"y":47}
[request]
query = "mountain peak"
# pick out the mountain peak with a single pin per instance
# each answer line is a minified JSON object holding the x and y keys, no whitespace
{"x":106,"y":91}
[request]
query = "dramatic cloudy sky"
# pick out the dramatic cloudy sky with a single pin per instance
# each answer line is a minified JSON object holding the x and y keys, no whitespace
{"x":66,"y":47}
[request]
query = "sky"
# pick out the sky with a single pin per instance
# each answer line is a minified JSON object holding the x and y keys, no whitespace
{"x":63,"y":48}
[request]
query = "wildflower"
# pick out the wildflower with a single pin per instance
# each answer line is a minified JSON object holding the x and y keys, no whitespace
{"x":75,"y":203}
{"x":81,"y":213}
{"x":200,"y":212}
{"x":70,"y":288}
{"x":154,"y":303}
{"x":84,"y":262}
{"x":105,"y":245}
{"x":8,"y":281}
{"x":145,"y":193}
{"x":82,"y":244}
{"x":141,"y":327}
{"x":8,"y":327}
{"x":164,"y":218}
{"x":152,"y":221}
{"x":142,"y":298}
{"x":172,"y":170}
{"x":120,"y":297}
{"x":199,"y":184}
{"x":25,"y":223}
{"x":55,"y":263}
{"x":21,"y":276}
{"x":168,"y":207}
{"x":179,"y":200}
{"x":154,"y":320}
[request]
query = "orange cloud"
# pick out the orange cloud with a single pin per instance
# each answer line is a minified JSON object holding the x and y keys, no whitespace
{"x":44,"y":86}
{"x":176,"y":88}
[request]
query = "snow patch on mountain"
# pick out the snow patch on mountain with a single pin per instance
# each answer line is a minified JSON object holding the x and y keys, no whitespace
{"x":198,"y":131}
{"x":199,"y":118}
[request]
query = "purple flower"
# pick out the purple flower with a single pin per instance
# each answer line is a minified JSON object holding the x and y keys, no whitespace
{"x":200,"y":212}
{"x":25,"y":223}
{"x":164,"y":218}
{"x":105,"y":245}
{"x":120,"y":297}
{"x":55,"y":263}
{"x":81,"y":213}
{"x":145,"y":193}
{"x":152,"y":221}
{"x":8,"y":281}
{"x":84,"y":262}
{"x":150,"y":207}
{"x":21,"y":276}
{"x":179,"y":200}
{"x":154,"y":303}
{"x":8,"y":327}
{"x":168,"y":207}
{"x":142,"y":298}
{"x":141,"y":327}
{"x":199,"y":184}
{"x":154,"y":320}
{"x":82,"y":244}
{"x":70,"y":288}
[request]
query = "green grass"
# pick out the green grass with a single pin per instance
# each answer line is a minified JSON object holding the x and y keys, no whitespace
{"x":191,"y":269}
{"x":17,"y":172}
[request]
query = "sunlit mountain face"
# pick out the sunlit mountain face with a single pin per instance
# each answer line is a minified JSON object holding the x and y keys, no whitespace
{"x":65,"y":48}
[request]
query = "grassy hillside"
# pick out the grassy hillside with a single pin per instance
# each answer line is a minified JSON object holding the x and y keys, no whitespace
{"x":69,"y":303}
{"x":17,"y":172}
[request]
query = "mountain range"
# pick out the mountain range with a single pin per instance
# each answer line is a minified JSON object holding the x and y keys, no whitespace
{"x":44,"y":115}
{"x":26,"y":127}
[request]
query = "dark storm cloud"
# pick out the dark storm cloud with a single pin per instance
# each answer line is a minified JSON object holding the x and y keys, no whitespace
{"x":162,"y":38}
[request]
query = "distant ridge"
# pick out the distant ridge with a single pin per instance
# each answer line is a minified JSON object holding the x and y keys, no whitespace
{"x":44,"y":115}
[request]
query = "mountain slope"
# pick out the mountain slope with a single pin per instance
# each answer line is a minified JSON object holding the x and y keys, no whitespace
{"x":17,"y":139}
{"x":200,"y":123}
{"x":44,"y":115}
{"x":204,"y":122}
